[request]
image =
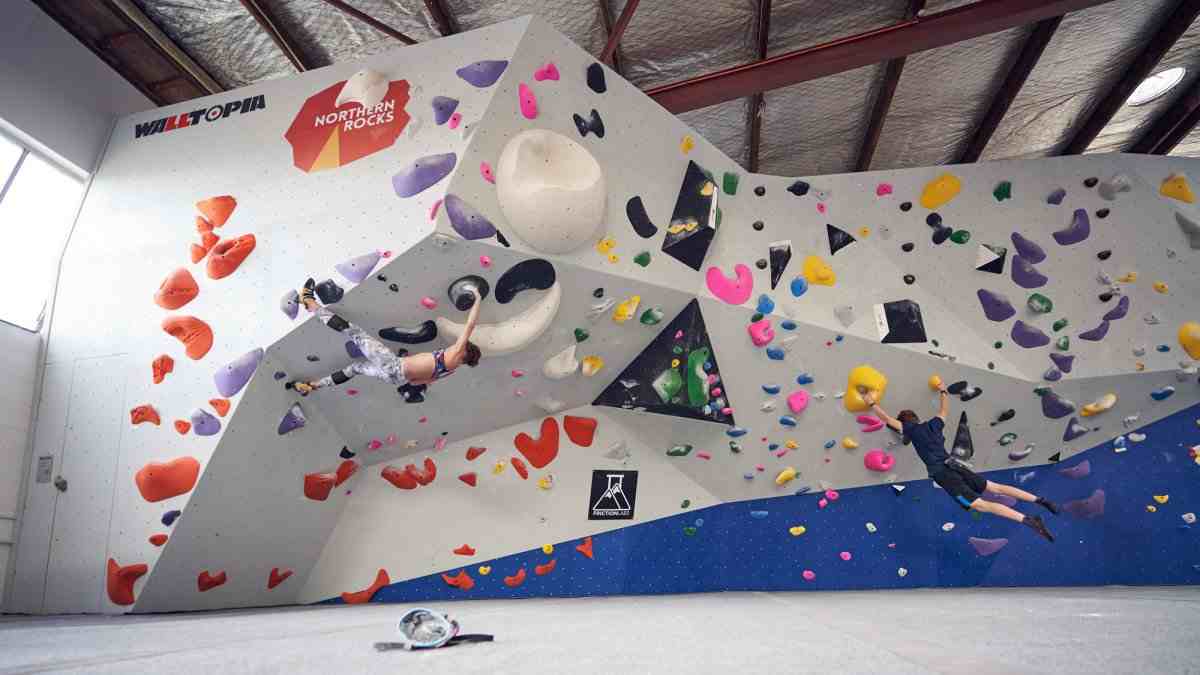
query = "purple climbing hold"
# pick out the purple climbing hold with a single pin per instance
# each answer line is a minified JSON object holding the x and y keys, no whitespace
{"x":289,"y":304}
{"x":986,"y":547}
{"x":1052,"y":375}
{"x":1079,"y":229}
{"x":995,"y":306}
{"x":292,"y":420}
{"x":356,"y":269}
{"x":205,"y":423}
{"x":1028,"y":336}
{"x":1092,"y":507}
{"x":1029,"y":250}
{"x":1119,"y":311}
{"x":1074,"y":430}
{"x":1056,"y":197}
{"x":467,"y":222}
{"x":482,"y":73}
{"x":1096,"y":334}
{"x":423,"y":173}
{"x":443,"y":108}
{"x":1080,"y":470}
{"x":1026,"y":275}
{"x":353,"y":351}
{"x":279,"y":375}
{"x":1055,"y":406}
{"x":169,"y":517}
{"x":234,"y":375}
{"x":1064,"y":362}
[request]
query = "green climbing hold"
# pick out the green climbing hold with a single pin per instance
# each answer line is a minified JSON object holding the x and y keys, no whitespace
{"x":1039,"y":304}
{"x":685,"y":503}
{"x":1063,"y":343}
{"x":756,"y":317}
{"x":1041,"y":391}
{"x":642,"y":258}
{"x":697,"y":379}
{"x":734,"y":446}
{"x":689,"y":531}
{"x":1003,"y":191}
{"x":997,"y":344}
{"x":1060,"y":324}
{"x":960,"y":237}
{"x":667,"y":384}
{"x":679,"y":451}
{"x":652,"y":316}
{"x":677,"y":349}
{"x":729,"y":183}
{"x":1007,"y":439}
{"x":581,"y":334}
{"x":718,"y":216}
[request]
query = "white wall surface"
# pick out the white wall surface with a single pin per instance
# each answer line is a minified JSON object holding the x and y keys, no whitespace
{"x":18,"y":362}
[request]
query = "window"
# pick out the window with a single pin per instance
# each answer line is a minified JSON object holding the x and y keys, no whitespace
{"x":37,"y":205}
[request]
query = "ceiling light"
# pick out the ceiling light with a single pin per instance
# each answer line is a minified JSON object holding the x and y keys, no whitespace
{"x":1156,"y":85}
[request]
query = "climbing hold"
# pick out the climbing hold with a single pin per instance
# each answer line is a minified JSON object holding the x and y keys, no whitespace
{"x":1018,"y":455}
{"x":1092,"y":507}
{"x":177,"y":290}
{"x":482,"y":74}
{"x":996,"y":307}
{"x":233,"y":376}
{"x":863,"y":379}
{"x":838,"y":238}
{"x":797,"y":401}
{"x":158,"y":481}
{"x":1096,"y":334}
{"x":1003,"y":191}
{"x":1063,"y":362}
{"x":443,"y":108}
{"x":593,"y":123}
{"x":1191,"y":229}
{"x":1025,"y":275}
{"x":1163,"y":393}
{"x":878,"y":460}
{"x":940,"y":191}
{"x":799,"y":286}
{"x":592,"y":365}
{"x":120,"y":580}
{"x":195,"y":335}
{"x":358,"y":268}
{"x":946,"y":527}
{"x":160,"y":367}
{"x":869,"y":424}
{"x":1100,"y":405}
{"x":1119,"y":311}
{"x":541,"y":451}
{"x":329,"y":292}
{"x":785,"y":476}
{"x":293,"y":419}
{"x":1007,"y":439}
{"x":581,"y":430}
{"x":1080,"y":470}
{"x":686,"y":144}
{"x":1063,"y":343}
{"x":1189,"y":339}
{"x":595,"y":78}
{"x":732,"y":291}
{"x":652,"y":316}
{"x":364,"y":596}
{"x":626,"y":309}
{"x":227,"y":256}
{"x":1161,"y":287}
{"x":1074,"y":430}
{"x":1028,"y":336}
{"x":1039,"y":304}
{"x":183,"y":426}
{"x":1079,"y":229}
{"x":987,"y":547}
{"x":1055,"y":406}
{"x":207,"y":582}
{"x":816,"y":271}
{"x":204,"y":424}
{"x":960,"y":236}
{"x":289,"y":304}
{"x":1176,"y":186}
{"x":1029,"y":250}
{"x":144,"y":413}
{"x":761,"y":332}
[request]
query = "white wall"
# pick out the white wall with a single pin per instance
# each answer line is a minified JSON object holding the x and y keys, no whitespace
{"x":58,"y":95}
{"x":18,"y":361}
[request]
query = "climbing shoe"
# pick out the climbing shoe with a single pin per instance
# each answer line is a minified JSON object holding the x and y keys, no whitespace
{"x":1035,"y":523}
{"x":308,"y":292}
{"x":1048,"y":505}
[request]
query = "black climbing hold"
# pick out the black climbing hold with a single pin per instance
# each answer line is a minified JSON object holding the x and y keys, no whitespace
{"x":595,"y":78}
{"x":756,"y":317}
{"x":593,"y":124}
{"x":412,"y":393}
{"x":970,"y":393}
{"x":458,"y":291}
{"x":411,"y":335}
{"x":279,"y":375}
{"x":909,"y":279}
{"x":693,"y":223}
{"x":1005,"y":416}
{"x":957,"y":388}
{"x":1057,"y":457}
{"x":1090,"y":182}
{"x":780,"y":253}
{"x":935,"y":343}
{"x":394,"y":288}
{"x":382,"y":278}
{"x":991,"y":366}
{"x":1106,"y":296}
{"x":757,"y":225}
{"x":598,"y":293}
{"x":906,"y":206}
{"x":798,"y":188}
{"x":838,"y":238}
{"x":964,"y":447}
{"x":761,"y":263}
{"x":1104,"y":255}
{"x":1102,"y":213}
{"x":635,"y":210}
{"x":500,"y":238}
{"x":329,"y":292}
{"x":901,"y":322}
{"x":313,"y":358}
{"x":346,"y":453}
{"x":941,"y":234}
{"x":760,"y":190}
{"x":907,"y":247}
{"x":527,"y":274}
{"x":933,"y":220}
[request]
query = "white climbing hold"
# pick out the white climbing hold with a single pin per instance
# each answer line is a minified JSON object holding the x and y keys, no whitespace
{"x":1131,"y":420}
{"x":512,"y":334}
{"x":946,"y":527}
{"x":871,"y":528}
{"x":902,"y":572}
{"x":1189,"y":518}
{"x":618,"y":451}
{"x":366,"y":88}
{"x":1135,"y":437}
{"x":561,"y":365}
{"x":600,"y":309}
{"x":550,"y":405}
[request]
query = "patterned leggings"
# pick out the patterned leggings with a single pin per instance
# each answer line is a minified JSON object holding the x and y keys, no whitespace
{"x":378,"y":361}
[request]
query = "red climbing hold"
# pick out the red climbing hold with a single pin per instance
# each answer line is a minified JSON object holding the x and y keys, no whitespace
{"x":542,"y":451}
{"x":399,"y":478}
{"x":465,"y":549}
{"x":207,"y":582}
{"x":344,"y":471}
{"x":359,"y":597}
{"x":468,"y":478}
{"x":121,"y":580}
{"x":276,"y":577}
{"x":161,"y":366}
{"x":317,"y":486}
{"x":197,"y":252}
{"x":473,"y":452}
{"x":208,"y":240}
{"x":581,"y":430}
{"x":461,"y":581}
{"x":145,"y":413}
{"x":202,"y":225}
{"x":177,"y":290}
{"x":423,"y":477}
{"x":158,"y":481}
{"x":516,"y":579}
{"x":217,"y":209}
{"x":158,"y":539}
{"x":586,"y":548}
{"x":520,"y":468}
{"x":543,"y":570}
{"x":183,"y":426}
{"x":228,"y":255}
{"x":221,"y":405}
{"x":196,"y":336}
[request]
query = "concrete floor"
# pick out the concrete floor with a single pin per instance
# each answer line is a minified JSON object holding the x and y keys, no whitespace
{"x":1053,"y":630}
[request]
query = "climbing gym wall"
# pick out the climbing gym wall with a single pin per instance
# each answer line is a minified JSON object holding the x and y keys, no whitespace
{"x":674,"y":353}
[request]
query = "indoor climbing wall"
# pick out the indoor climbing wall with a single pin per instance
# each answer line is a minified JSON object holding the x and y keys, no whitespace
{"x":674,"y":352}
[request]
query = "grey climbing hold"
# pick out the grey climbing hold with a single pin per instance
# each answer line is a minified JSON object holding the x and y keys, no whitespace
{"x":459,"y":290}
{"x":844,"y":314}
{"x":1109,"y":189}
{"x":1191,"y":229}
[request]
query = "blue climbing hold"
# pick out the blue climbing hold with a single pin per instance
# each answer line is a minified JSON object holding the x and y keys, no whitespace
{"x":699,"y":522}
{"x":748,"y":476}
{"x":799,"y":287}
{"x":773,"y":446}
{"x":759,"y":515}
{"x":169,"y":517}
{"x":804,"y":378}
{"x":765,"y":304}
{"x":787,"y":421}
{"x":1163,"y":348}
{"x":735,"y":432}
{"x":1162,"y":394}
{"x":279,"y":375}
{"x":830,"y":444}
{"x":787,"y":324}
{"x":839,"y":338}
{"x":771,"y":389}
{"x":775,"y":353}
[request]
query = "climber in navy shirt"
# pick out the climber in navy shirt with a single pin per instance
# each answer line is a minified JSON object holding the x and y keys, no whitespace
{"x":965,"y":486}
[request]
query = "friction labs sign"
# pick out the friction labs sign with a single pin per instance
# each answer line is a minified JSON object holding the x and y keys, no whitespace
{"x":613,"y":495}
{"x":197,"y":117}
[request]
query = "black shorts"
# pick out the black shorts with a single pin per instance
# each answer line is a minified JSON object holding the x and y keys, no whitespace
{"x":961,"y":483}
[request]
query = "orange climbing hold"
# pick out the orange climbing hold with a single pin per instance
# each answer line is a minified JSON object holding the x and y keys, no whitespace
{"x":202,"y":225}
{"x":344,"y":471}
{"x":197,"y":252}
{"x":145,"y":413}
{"x":543,"y":570}
{"x":544,"y":449}
{"x":161,"y":366}
{"x":461,"y":581}
{"x":121,"y":580}
{"x":516,"y":579}
{"x":217,"y":209}
{"x":208,"y":240}
{"x":158,"y":539}
{"x":399,"y":478}
{"x":183,"y":426}
{"x":158,"y":481}
{"x":468,"y":478}
{"x":276,"y":577}
{"x":196,"y":336}
{"x":473,"y":452}
{"x":177,"y":290}
{"x":586,"y":548}
{"x":221,"y":405}
{"x":520,"y":468}
{"x":317,"y":486}
{"x":227,"y":256}
{"x":581,"y":430}
{"x":465,"y":549}
{"x":359,"y":597}
{"x":207,"y":582}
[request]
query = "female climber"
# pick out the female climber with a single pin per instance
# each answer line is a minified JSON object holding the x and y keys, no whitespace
{"x":964,"y":485}
{"x":380,"y":362}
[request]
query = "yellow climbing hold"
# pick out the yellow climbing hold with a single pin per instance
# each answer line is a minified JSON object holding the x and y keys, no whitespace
{"x":546,"y":482}
{"x":1128,"y":278}
{"x":849,"y":443}
{"x":548,"y":549}
{"x":606,"y":244}
{"x":863,"y":379}
{"x":790,"y":444}
{"x":816,"y":271}
{"x":1162,"y":499}
{"x":686,"y":144}
{"x":707,"y":189}
{"x":1176,"y":187}
{"x":1151,"y":508}
{"x":940,"y":190}
{"x":1139,"y":366}
{"x":935,"y":382}
{"x":1189,"y":339}
{"x":797,"y":530}
{"x":498,"y":467}
{"x":626,"y":309}
{"x":592,"y":365}
{"x":864,"y":231}
{"x":613,"y":258}
{"x":485,"y":570}
{"x":674,"y":363}
{"x":786,"y":476}
{"x":1161,"y":286}
{"x":1098,"y":406}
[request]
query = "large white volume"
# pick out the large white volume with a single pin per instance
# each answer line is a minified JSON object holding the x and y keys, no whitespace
{"x":551,"y":190}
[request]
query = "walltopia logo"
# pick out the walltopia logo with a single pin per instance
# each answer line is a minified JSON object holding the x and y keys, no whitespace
{"x":217,"y":112}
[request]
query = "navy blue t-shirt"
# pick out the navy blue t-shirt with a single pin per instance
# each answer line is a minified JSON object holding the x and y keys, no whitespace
{"x":930,"y":443}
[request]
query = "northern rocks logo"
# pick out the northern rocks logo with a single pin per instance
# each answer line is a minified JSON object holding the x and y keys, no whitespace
{"x":348,"y":121}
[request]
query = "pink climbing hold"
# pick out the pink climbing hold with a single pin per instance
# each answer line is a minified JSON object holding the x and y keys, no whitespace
{"x":797,"y":401}
{"x":820,"y":208}
{"x":517,"y":372}
{"x":485,"y":170}
{"x":375,"y":444}
{"x":780,"y":453}
{"x":440,"y":444}
{"x":423,"y":419}
{"x":761,"y":332}
{"x":832,"y":495}
{"x":352,"y":392}
{"x":869,"y":423}
{"x":878,"y":460}
{"x":455,"y":120}
{"x":546,"y":72}
{"x":703,"y":455}
{"x":716,"y":391}
{"x":678,"y":334}
{"x":428,"y":302}
{"x":726,"y":410}
{"x":528,"y":101}
{"x":434,"y":209}
{"x":808,"y":575}
{"x":883,"y":189}
{"x":759,"y":467}
{"x":845,"y":555}
{"x":822,"y":503}
{"x":485,"y":261}
{"x":734,"y":291}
